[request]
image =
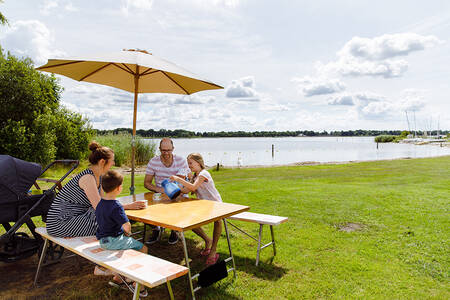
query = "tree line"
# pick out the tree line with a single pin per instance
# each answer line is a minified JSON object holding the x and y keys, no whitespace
{"x":181,"y":133}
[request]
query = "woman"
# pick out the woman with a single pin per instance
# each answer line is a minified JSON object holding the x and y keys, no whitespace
{"x":72,"y":213}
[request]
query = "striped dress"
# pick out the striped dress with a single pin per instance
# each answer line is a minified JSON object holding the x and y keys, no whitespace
{"x":71,"y":213}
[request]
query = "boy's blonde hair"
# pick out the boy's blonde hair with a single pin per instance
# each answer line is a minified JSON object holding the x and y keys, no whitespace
{"x":111,"y":180}
{"x":197,"y":158}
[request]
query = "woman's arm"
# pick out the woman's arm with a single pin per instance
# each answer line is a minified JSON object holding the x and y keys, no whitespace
{"x":192,"y":187}
{"x":89,"y":186}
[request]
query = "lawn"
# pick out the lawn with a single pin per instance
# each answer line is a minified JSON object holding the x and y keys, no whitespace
{"x":400,"y":248}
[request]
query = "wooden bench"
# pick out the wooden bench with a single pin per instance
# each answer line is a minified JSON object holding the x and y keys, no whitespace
{"x":261,"y":219}
{"x":142,"y":268}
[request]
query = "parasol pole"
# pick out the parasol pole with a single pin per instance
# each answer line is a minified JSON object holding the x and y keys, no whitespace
{"x":133,"y":141}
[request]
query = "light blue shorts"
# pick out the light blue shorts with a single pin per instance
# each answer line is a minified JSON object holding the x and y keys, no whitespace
{"x":121,"y":242}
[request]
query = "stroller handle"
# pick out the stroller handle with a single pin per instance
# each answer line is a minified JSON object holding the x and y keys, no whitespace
{"x":75,"y":164}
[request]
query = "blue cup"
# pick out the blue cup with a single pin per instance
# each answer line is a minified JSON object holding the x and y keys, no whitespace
{"x":171,"y":189}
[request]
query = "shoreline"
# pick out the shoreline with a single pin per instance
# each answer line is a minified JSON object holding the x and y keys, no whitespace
{"x":141,"y":169}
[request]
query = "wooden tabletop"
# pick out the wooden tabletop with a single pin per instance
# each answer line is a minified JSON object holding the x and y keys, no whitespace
{"x":181,"y":214}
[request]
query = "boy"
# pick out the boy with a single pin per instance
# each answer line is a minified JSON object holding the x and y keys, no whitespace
{"x":114,"y":227}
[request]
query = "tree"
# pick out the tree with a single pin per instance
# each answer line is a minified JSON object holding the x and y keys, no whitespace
{"x":3,"y":19}
{"x":33,"y":125}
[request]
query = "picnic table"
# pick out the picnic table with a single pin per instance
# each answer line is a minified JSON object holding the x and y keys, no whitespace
{"x":183,"y":214}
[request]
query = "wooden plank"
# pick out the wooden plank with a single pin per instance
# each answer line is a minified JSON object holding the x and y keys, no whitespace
{"x":259,"y":218}
{"x":140,"y":267}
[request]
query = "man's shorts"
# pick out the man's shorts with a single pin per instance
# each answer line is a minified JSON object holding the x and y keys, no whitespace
{"x":121,"y":242}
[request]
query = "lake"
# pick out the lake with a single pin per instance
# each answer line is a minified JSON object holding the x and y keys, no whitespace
{"x":288,"y":150}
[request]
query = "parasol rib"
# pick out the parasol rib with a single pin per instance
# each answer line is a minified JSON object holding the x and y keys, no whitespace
{"x":187,"y":93}
{"x":148,"y":71}
{"x":92,"y":73}
{"x":60,"y":65}
{"x":128,"y":70}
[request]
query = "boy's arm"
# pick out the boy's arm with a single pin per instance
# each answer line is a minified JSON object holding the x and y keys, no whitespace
{"x":127,"y":228}
{"x":120,"y":217}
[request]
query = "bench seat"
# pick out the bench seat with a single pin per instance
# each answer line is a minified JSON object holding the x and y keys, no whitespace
{"x":261,"y":219}
{"x":140,"y":267}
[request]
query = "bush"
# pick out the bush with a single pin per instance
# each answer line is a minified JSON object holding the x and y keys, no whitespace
{"x":384,"y":138}
{"x":121,"y":145}
{"x":73,"y":133}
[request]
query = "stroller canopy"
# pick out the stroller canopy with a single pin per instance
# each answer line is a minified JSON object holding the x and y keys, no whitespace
{"x":16,"y":177}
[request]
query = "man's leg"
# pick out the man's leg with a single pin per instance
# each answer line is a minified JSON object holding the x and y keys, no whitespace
{"x":156,"y":235}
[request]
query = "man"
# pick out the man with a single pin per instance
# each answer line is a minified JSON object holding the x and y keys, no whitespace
{"x":160,"y":168}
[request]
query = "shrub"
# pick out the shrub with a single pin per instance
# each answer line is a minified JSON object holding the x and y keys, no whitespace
{"x":384,"y":138}
{"x":73,"y":133}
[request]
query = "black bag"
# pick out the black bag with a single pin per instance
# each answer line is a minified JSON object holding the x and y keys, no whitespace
{"x":213,"y":274}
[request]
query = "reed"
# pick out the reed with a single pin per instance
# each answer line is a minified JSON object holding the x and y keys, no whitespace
{"x":121,"y":144}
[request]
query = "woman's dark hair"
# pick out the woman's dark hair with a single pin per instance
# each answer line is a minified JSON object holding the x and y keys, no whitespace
{"x":99,"y":152}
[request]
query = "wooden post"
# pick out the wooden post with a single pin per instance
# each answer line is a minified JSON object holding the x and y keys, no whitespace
{"x":377,"y":145}
{"x":273,"y":150}
{"x":217,"y":167}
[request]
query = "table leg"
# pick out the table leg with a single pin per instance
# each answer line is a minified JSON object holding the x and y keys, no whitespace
{"x":41,"y":260}
{"x":137,"y":290}
{"x":273,"y":241}
{"x":259,"y":243}
{"x":186,"y":258}
{"x":229,"y":246}
{"x":169,"y":289}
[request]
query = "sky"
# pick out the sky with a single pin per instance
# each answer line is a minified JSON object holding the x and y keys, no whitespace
{"x":284,"y":65}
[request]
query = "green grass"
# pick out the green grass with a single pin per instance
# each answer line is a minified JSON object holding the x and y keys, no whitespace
{"x":401,"y":252}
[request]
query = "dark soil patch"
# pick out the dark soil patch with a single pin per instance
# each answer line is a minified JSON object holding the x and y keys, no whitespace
{"x":350,"y":227}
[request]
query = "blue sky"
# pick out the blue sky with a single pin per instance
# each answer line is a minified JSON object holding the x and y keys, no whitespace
{"x":285,"y":65}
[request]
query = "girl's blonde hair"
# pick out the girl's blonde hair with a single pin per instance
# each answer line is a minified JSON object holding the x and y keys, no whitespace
{"x":197,"y":158}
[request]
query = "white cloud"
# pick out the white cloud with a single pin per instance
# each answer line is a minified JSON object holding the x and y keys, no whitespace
{"x":350,"y":66}
{"x":136,"y":6}
{"x":412,"y":100}
{"x":47,"y":6}
{"x":310,"y":86}
{"x":341,"y":100}
{"x":51,"y":6}
{"x":31,"y":38}
{"x":242,"y":88}
{"x":377,"y":56}
{"x":387,"y":46}
{"x":351,"y":99}
{"x":372,"y":106}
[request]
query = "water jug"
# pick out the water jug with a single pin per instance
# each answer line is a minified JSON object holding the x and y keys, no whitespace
{"x":171,"y":189}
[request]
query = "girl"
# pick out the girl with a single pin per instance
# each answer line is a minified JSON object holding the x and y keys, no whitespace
{"x":203,"y":185}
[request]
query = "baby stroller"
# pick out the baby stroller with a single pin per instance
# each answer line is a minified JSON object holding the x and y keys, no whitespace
{"x":18,"y":205}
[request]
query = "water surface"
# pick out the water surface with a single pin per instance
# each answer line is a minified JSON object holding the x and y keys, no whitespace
{"x":288,"y":150}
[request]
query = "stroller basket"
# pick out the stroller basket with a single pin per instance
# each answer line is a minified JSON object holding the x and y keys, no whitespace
{"x":18,"y":206}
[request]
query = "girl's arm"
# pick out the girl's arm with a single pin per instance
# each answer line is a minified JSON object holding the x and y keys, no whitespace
{"x":192,"y":187}
{"x":127,"y":228}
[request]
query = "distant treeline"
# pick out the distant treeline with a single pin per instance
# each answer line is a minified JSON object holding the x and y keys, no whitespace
{"x":181,"y":133}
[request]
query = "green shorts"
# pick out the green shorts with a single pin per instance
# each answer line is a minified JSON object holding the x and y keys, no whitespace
{"x":121,"y":242}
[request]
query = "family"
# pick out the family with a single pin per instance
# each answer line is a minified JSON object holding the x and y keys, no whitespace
{"x":86,"y":205}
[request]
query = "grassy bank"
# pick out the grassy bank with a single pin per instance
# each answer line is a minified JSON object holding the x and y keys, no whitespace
{"x":400,"y":250}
